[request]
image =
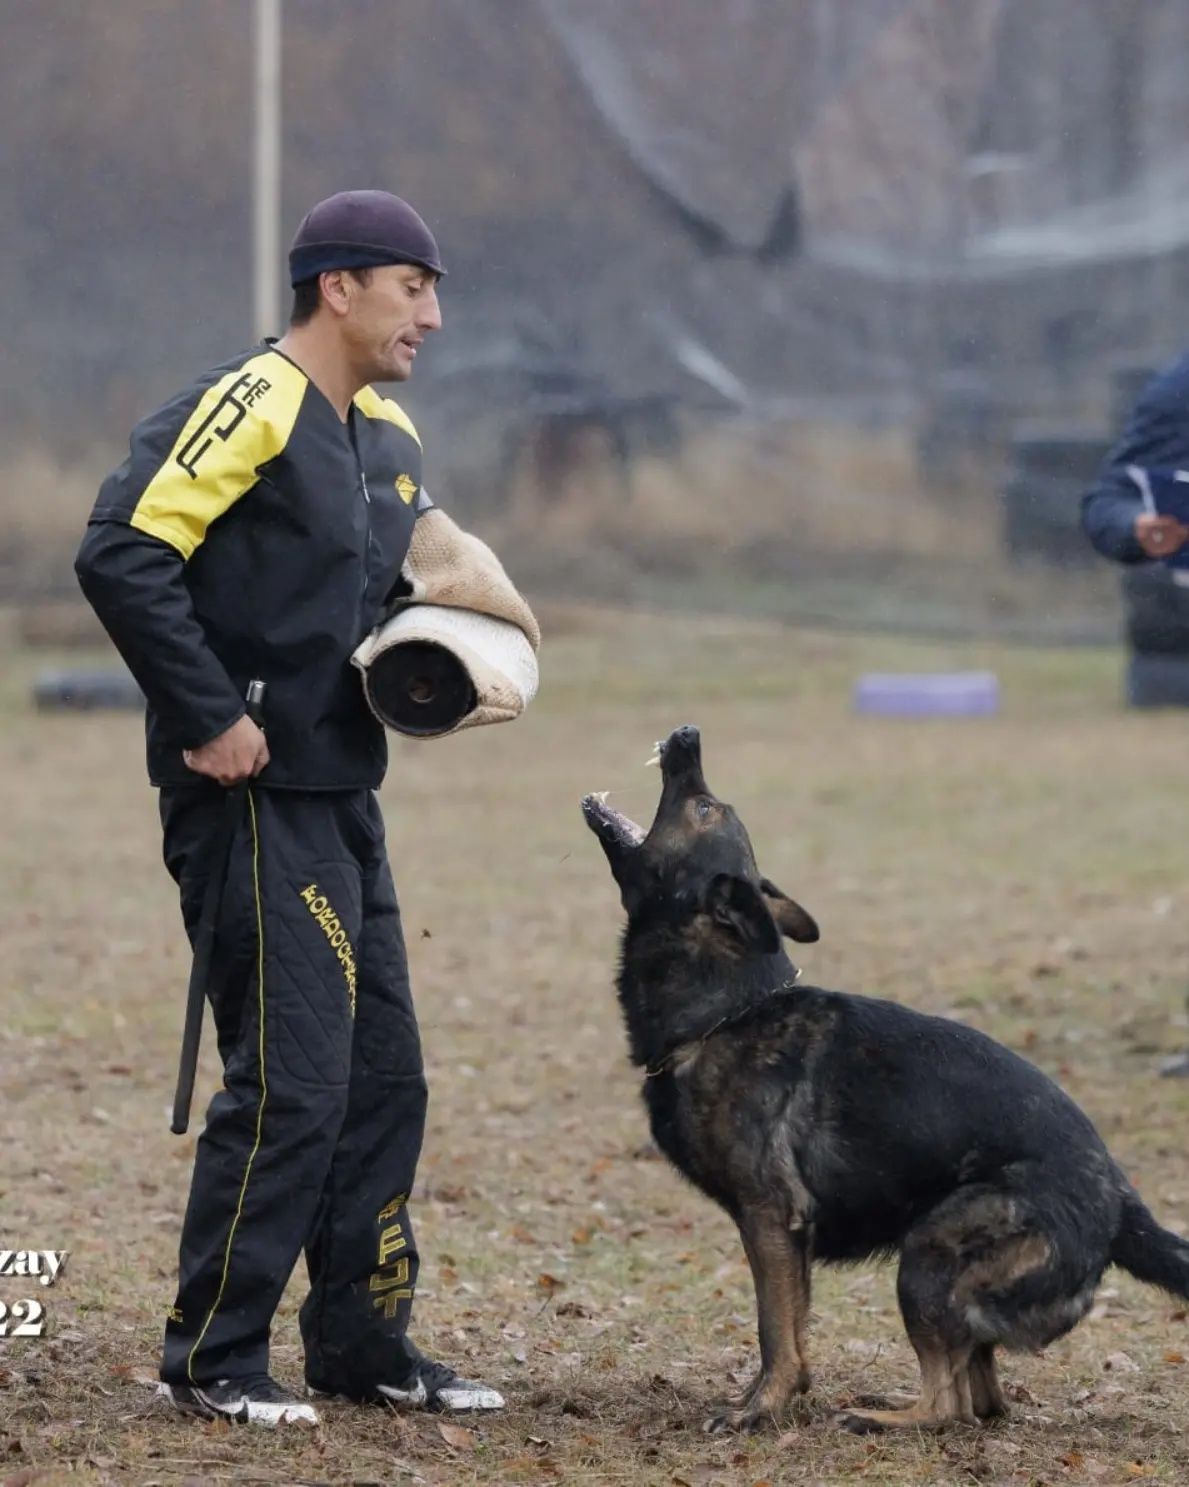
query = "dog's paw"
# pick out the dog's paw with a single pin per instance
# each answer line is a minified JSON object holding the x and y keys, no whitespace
{"x":892,"y":1401}
{"x":737,"y":1420}
{"x":858,"y":1424}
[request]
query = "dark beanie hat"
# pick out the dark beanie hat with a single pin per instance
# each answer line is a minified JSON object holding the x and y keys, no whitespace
{"x":360,"y":229}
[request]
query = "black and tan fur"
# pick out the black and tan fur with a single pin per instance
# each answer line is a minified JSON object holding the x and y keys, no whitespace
{"x":834,"y":1127}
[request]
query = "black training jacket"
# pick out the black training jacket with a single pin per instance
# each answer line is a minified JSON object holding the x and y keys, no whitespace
{"x":252,"y":533}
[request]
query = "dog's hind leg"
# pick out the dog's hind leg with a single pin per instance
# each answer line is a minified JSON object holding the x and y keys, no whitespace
{"x":780,"y":1261}
{"x":985,"y":1393}
{"x":945,"y":1395}
{"x":986,"y":1396}
{"x":937,"y":1322}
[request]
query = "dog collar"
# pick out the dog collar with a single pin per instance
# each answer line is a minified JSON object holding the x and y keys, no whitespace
{"x":652,"y":1070}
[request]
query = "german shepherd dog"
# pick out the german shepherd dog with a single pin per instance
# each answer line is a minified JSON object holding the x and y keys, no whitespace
{"x":835,"y":1127}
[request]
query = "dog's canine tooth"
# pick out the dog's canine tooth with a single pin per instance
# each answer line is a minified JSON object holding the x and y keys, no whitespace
{"x":600,"y":796}
{"x":656,"y":756}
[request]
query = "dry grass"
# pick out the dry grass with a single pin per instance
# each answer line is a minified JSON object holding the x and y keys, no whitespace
{"x":1025,"y":873}
{"x":826,"y":485}
{"x":810,"y":519}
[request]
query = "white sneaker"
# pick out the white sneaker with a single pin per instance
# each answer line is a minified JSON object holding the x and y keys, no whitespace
{"x":255,"y":1400}
{"x":431,"y":1386}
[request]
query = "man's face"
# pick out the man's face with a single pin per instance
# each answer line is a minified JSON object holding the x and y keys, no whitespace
{"x":387,"y":319}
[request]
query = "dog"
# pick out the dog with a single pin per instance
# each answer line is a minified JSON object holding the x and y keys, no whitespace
{"x":838,"y":1128}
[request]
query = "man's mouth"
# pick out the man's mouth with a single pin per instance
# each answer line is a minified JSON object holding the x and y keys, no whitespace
{"x":609,"y":823}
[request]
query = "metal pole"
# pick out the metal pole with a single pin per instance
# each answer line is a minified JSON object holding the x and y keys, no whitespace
{"x":266,"y":185}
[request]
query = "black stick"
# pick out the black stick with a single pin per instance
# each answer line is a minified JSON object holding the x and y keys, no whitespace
{"x":204,"y":938}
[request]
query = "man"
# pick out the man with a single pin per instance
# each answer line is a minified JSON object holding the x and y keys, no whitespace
{"x":257,"y":530}
{"x":1113,"y":513}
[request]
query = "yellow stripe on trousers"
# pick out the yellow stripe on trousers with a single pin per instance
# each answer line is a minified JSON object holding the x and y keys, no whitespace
{"x":263,"y":1085}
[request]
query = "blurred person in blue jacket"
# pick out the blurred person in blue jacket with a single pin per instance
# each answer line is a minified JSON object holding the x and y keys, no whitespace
{"x":1156,"y":437}
{"x":1114,"y":516}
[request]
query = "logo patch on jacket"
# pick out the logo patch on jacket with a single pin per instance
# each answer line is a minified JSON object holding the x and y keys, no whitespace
{"x":406,"y":488}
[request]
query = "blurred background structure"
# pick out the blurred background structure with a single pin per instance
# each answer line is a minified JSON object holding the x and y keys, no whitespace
{"x":820,"y":310}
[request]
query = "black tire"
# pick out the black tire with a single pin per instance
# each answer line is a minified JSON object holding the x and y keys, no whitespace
{"x":1071,"y":456}
{"x":1157,"y":681}
{"x":1042,"y":521}
{"x":85,"y":691}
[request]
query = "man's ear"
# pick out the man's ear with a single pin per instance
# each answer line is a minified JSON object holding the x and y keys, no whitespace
{"x":735,"y":904}
{"x":791,"y":919}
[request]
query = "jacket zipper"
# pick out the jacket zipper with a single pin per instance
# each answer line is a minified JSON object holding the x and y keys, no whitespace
{"x":367,"y":511}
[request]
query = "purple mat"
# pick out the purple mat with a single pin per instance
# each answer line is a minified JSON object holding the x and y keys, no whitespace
{"x":948,"y":694}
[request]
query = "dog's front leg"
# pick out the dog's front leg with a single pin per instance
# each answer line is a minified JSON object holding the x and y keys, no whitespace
{"x":779,"y":1258}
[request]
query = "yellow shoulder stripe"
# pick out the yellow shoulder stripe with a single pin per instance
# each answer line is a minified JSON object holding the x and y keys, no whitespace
{"x":240,"y":423}
{"x":372,"y":405}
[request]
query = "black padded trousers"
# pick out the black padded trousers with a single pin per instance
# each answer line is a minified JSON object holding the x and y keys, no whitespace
{"x":313,"y":1141}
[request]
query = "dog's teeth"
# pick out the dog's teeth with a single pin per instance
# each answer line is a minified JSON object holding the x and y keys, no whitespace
{"x":601,"y":796}
{"x":656,"y":756}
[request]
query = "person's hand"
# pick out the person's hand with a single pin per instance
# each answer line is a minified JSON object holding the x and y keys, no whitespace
{"x":236,"y":755}
{"x":1160,"y":536}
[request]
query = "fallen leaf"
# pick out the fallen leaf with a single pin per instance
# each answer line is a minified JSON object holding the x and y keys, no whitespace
{"x":522,"y":1235}
{"x":1072,"y":1459}
{"x":456,"y":1436}
{"x":549,"y":1282}
{"x":1140,"y":1469}
{"x":582,"y":1236}
{"x":1174,"y":1357}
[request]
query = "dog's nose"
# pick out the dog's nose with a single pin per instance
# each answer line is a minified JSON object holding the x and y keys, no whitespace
{"x":686,"y":737}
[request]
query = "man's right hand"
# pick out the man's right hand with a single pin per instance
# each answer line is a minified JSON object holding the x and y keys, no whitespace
{"x":234,"y":756}
{"x":1160,"y":536}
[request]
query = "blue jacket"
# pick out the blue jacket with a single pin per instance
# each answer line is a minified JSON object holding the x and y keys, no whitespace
{"x":1157,"y":433}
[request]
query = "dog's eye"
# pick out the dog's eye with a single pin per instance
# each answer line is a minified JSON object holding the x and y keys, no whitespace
{"x":702,"y":809}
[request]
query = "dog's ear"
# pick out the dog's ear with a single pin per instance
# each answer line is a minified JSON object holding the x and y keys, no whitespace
{"x":735,"y":904}
{"x":791,"y":919}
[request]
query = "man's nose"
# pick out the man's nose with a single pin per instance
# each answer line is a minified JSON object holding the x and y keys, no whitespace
{"x":429,"y":316}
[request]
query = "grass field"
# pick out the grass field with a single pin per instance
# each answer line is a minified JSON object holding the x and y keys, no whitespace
{"x":1025,"y":873}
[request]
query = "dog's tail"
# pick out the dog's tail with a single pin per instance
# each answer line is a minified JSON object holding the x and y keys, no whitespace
{"x":1149,"y":1252}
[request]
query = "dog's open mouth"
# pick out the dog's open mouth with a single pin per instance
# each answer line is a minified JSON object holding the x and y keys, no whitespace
{"x":608,"y":823}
